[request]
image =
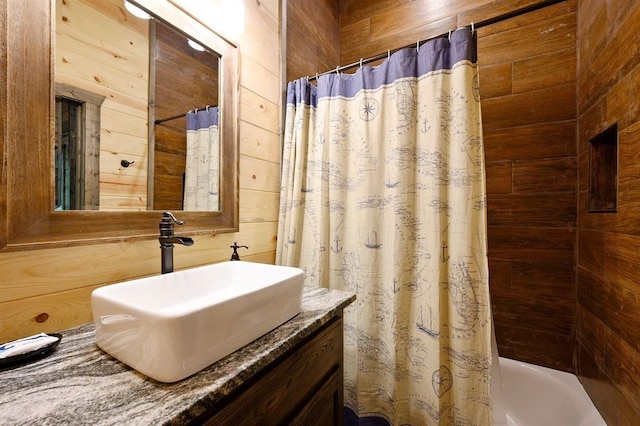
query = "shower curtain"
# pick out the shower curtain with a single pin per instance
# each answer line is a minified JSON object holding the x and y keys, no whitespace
{"x":383,"y":195}
{"x":202,"y":171}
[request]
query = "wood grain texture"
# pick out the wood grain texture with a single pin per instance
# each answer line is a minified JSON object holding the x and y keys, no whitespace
{"x":26,"y":47}
{"x":185,"y":79}
{"x":500,"y":277}
{"x":119,"y":71}
{"x":4,"y":108}
{"x":44,"y":227}
{"x":621,"y":260}
{"x":541,"y":313}
{"x":528,"y":108}
{"x":591,"y":255}
{"x":502,"y":7}
{"x":260,"y":175}
{"x":610,"y":51}
{"x":545,"y":175}
{"x":530,"y":243}
{"x":545,"y":140}
{"x":554,"y":34}
{"x":60,"y":283}
{"x":303,"y":378}
{"x":540,"y":347}
{"x":527,"y":68}
{"x":368,"y":28}
{"x":58,"y":280}
{"x":612,"y":404}
{"x":529,"y":121}
{"x":543,"y":71}
{"x":608,"y":330}
{"x":496,"y":80}
{"x":549,"y":277}
{"x":499,"y":177}
{"x":536,"y":210}
{"x":257,"y":142}
{"x":313,"y":38}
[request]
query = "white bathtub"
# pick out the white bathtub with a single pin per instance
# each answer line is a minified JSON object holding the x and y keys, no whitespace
{"x":531,"y":395}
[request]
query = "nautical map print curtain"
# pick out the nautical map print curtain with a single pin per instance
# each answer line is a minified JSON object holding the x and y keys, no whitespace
{"x":383,"y":195}
{"x":202,"y":174}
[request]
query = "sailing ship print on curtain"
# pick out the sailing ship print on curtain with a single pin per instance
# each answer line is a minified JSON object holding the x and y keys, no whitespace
{"x":383,"y":195}
{"x":202,"y":171}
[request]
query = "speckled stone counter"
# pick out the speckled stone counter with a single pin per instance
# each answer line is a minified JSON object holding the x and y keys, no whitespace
{"x":80,"y":384}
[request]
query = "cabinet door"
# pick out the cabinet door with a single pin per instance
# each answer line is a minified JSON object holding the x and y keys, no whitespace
{"x":326,"y":407}
{"x":309,"y":378}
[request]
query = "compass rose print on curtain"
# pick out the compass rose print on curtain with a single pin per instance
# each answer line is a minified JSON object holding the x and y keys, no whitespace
{"x":383,"y":194}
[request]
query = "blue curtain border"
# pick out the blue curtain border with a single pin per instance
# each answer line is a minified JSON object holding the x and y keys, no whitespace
{"x":437,"y":54}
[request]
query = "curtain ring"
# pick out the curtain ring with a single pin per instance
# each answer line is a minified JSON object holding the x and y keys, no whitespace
{"x":450,"y":34}
{"x":207,"y":108}
{"x":360,"y":62}
{"x":388,"y":53}
{"x":338,"y":70}
{"x":316,"y":77}
{"x":473,"y":30}
{"x":418,"y":46}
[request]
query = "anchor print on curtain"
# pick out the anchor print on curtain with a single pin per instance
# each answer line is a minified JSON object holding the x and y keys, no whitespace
{"x":202,"y":171}
{"x":383,"y":195}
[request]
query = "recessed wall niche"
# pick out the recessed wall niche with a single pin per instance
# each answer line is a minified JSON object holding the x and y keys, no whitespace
{"x":603,"y":171}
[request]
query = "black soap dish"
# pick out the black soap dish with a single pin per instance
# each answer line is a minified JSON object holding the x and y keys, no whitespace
{"x":18,"y":360}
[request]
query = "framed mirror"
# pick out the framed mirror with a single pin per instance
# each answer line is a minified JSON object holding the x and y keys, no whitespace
{"x":33,"y":169}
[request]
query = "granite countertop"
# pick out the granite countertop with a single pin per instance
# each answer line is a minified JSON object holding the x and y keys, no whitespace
{"x":80,"y":384}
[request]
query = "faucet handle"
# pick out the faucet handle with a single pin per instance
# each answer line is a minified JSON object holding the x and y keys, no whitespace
{"x":235,"y":247}
{"x":168,"y":217}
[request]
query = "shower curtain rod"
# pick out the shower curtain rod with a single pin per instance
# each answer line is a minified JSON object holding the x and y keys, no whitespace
{"x":173,"y":117}
{"x":486,"y":22}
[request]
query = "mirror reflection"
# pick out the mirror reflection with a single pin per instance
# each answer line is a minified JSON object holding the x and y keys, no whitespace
{"x":116,"y":73}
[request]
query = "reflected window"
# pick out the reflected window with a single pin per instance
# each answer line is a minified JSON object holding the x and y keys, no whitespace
{"x":68,"y":155}
{"x":77,"y":149}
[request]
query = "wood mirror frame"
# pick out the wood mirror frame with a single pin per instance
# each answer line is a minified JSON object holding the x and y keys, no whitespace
{"x":27,"y":126}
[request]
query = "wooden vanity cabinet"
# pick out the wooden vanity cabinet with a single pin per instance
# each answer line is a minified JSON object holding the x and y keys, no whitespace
{"x":303,"y":387}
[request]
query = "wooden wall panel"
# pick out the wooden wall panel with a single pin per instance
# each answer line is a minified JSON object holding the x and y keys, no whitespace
{"x":545,"y":348}
{"x":608,"y":320}
{"x":499,"y":177}
{"x":545,"y":140}
{"x":544,"y":71}
{"x":119,"y":71}
{"x":527,"y":69}
{"x":553,"y":34}
{"x":500,"y":82}
{"x":545,"y":175}
{"x":313,"y":40}
{"x":542,"y":210}
{"x":530,"y":123}
{"x":185,"y":79}
{"x":59,"y":281}
{"x":534,"y":107}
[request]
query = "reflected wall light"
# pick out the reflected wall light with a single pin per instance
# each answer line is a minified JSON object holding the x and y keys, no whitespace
{"x":194,"y":45}
{"x":136,"y":11}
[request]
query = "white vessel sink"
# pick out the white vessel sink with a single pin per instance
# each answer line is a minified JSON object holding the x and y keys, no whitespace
{"x":171,"y":326}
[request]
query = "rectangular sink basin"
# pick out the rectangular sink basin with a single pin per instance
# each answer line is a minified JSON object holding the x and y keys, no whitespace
{"x":171,"y":326}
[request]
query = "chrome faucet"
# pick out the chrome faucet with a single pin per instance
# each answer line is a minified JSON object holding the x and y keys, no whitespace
{"x":168,"y":239}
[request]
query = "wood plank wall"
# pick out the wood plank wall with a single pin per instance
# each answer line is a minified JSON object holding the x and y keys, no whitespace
{"x":49,"y":290}
{"x":118,"y":70}
{"x":527,"y":83}
{"x":185,"y":79}
{"x":529,"y":124}
{"x":608,"y":265}
{"x":313,"y":37}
